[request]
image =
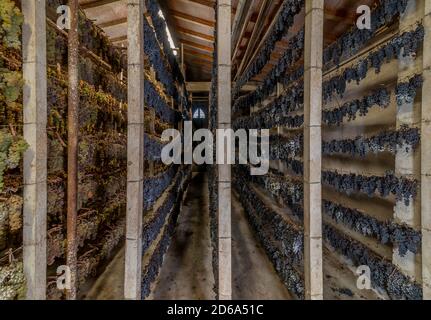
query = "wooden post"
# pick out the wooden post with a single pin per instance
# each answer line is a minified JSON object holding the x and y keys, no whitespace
{"x":313,"y":266}
{"x":135,"y":150}
{"x":405,"y":163}
{"x":72,"y":149}
{"x":426,"y":156}
{"x":35,"y":158}
{"x":224,"y":171}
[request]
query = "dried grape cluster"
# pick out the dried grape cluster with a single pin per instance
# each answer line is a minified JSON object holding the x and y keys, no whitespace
{"x":154,"y":222}
{"x":351,"y":109}
{"x":11,"y":20}
{"x":166,"y":222}
{"x":155,"y":186}
{"x":403,"y":188}
{"x":152,"y":51}
{"x":289,"y":190}
{"x":12,"y":281}
{"x":384,"y":274}
{"x":282,"y":241}
{"x":155,"y":101}
{"x":291,"y":100}
{"x":402,"y":45}
{"x":290,"y":8}
{"x":267,"y":119}
{"x":153,"y":147}
{"x":352,"y":41}
{"x":406,"y":91}
{"x":290,"y":56}
{"x":93,"y":39}
{"x":12,"y":149}
{"x":282,"y":148}
{"x":10,"y":219}
{"x":160,"y":28}
{"x":404,"y":237}
{"x":391,"y":141}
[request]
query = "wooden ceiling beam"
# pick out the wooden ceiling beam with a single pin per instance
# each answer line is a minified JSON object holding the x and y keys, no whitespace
{"x":113,"y":23}
{"x":119,"y":39}
{"x":206,"y":3}
{"x":197,"y":54}
{"x":196,"y":45}
{"x":195,"y":34}
{"x":187,"y":17}
{"x":97,"y":3}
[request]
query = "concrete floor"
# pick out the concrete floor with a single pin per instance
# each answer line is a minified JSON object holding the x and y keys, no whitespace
{"x":187,"y":272}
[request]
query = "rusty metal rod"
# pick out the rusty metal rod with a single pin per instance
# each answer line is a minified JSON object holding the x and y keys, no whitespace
{"x":72,"y":148}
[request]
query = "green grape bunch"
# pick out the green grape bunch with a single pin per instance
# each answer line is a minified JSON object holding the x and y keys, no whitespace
{"x":11,"y":150}
{"x":11,"y":20}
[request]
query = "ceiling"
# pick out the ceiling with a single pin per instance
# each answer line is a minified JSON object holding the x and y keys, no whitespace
{"x":192,"y":24}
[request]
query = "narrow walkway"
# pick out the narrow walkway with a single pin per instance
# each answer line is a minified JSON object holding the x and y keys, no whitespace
{"x":187,"y":272}
{"x":253,"y":275}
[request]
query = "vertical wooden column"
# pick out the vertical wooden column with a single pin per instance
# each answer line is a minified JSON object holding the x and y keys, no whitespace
{"x":135,"y":149}
{"x":35,"y":158}
{"x":313,"y":149}
{"x":426,"y":156}
{"x":224,"y":171}
{"x":407,"y":162}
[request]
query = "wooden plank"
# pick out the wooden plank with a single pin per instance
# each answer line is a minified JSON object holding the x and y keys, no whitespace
{"x":190,"y":18}
{"x":196,"y":45}
{"x":35,"y":158}
{"x":206,"y":3}
{"x":426,"y":157}
{"x":112,"y":23}
{"x":224,"y":10}
{"x":313,"y":60}
{"x":135,"y":150}
{"x":198,"y":55}
{"x":97,"y":3}
{"x":198,"y":35}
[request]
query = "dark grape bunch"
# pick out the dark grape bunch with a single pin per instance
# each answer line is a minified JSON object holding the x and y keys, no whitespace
{"x":405,"y":44}
{"x":355,"y":39}
{"x":289,"y":57}
{"x":404,"y":237}
{"x":384,"y":274}
{"x":290,"y":8}
{"x":408,"y":138}
{"x":403,"y":188}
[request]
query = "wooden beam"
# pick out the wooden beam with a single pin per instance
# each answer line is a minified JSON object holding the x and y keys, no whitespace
{"x":206,"y":87}
{"x":206,"y":3}
{"x":35,"y":158}
{"x":195,"y":34}
{"x":97,"y":3}
{"x":135,"y":150}
{"x":257,"y":28}
{"x":113,"y":23}
{"x":426,"y":156}
{"x":313,"y":61}
{"x":240,"y":23}
{"x":119,"y":39}
{"x":198,"y":55}
{"x":224,"y":9}
{"x":72,"y":149}
{"x":190,"y":18}
{"x":196,"y":45}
